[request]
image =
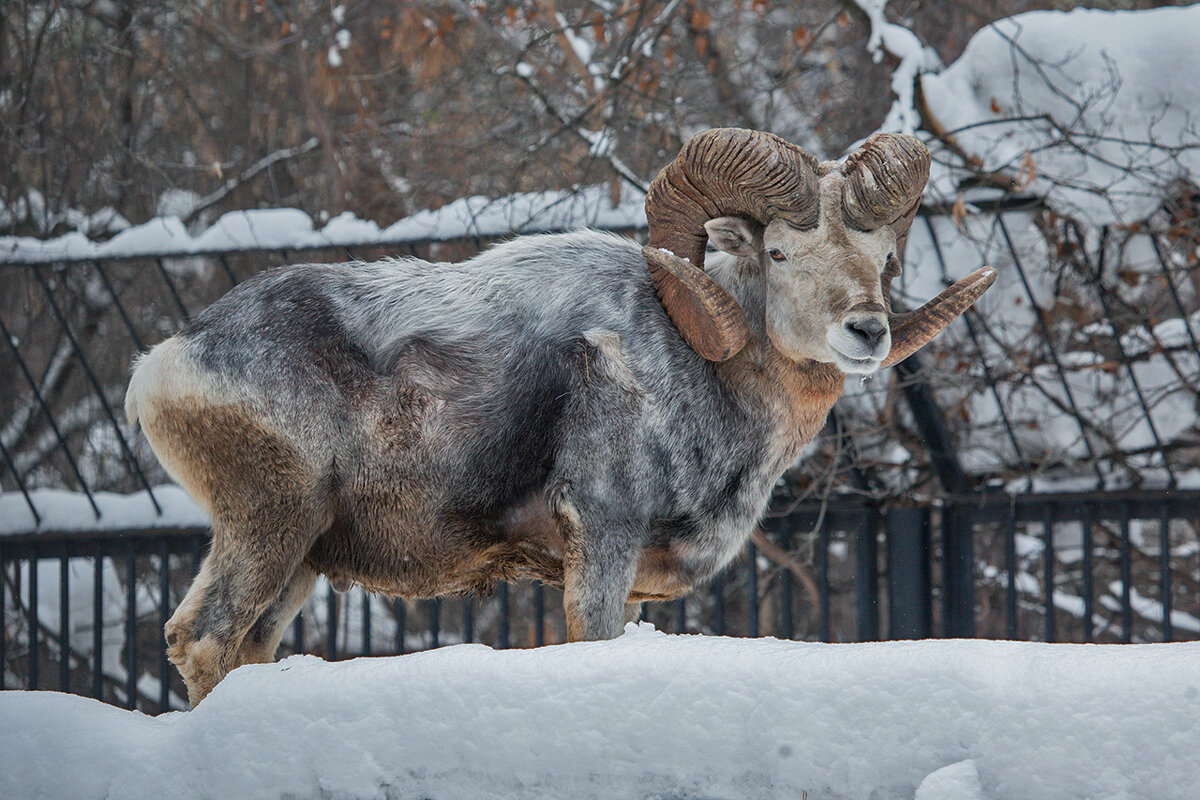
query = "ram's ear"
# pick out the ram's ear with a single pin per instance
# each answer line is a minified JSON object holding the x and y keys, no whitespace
{"x":737,"y":236}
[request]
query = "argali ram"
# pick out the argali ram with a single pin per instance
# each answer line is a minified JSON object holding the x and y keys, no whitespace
{"x":550,"y":409}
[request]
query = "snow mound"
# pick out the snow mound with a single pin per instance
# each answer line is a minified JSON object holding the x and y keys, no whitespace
{"x":1099,"y":106}
{"x":647,"y":715}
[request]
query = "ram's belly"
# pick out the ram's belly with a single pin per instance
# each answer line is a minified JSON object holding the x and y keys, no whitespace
{"x":391,"y":544}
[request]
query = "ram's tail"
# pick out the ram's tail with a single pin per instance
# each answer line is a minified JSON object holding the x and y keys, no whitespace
{"x":154,"y":372}
{"x":134,"y":392}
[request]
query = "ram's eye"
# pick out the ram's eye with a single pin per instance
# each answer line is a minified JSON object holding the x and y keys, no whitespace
{"x":775,"y":254}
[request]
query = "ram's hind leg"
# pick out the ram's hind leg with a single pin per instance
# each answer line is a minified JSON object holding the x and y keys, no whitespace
{"x":268,"y":503}
{"x":250,"y":577}
{"x":262,"y":640}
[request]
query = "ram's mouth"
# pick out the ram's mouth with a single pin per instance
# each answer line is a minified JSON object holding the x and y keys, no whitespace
{"x":856,"y":366}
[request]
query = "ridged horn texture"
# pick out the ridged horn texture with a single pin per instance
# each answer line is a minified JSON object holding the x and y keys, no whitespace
{"x":884,"y":178}
{"x":913,"y":330}
{"x":884,"y":181}
{"x":721,"y":172}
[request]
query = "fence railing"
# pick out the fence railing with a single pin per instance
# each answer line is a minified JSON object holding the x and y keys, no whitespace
{"x":84,"y":613}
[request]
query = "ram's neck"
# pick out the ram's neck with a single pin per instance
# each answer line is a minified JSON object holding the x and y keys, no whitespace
{"x":797,"y":396}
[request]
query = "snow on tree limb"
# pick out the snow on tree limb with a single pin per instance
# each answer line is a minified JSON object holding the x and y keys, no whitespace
{"x":915,"y":58}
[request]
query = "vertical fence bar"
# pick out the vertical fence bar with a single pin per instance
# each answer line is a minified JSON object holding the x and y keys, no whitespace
{"x":433,"y":608}
{"x":1126,"y":578}
{"x":298,"y":631}
{"x":823,"y":581}
{"x":197,"y":557}
{"x":787,"y":598}
{"x":366,"y":622}
{"x":468,"y":606}
{"x":331,"y":624}
{"x":34,"y":622}
{"x":401,"y":611}
{"x":3,"y":614}
{"x":1089,"y":620}
{"x":958,"y":574}
{"x":64,"y":624}
{"x":718,"y":595}
{"x":98,"y":626}
{"x":752,"y":588}
{"x":910,"y":583}
{"x":1164,"y":573}
{"x":866,"y":583}
{"x":131,"y":671}
{"x":1010,"y":563}
{"x":539,"y":614}
{"x":164,"y":607}
{"x":502,"y":598}
{"x":1048,"y":571}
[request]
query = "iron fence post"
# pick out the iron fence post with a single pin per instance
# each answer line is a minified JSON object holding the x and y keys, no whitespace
{"x":958,"y":574}
{"x":866,"y":577}
{"x":910,"y":611}
{"x":3,"y":614}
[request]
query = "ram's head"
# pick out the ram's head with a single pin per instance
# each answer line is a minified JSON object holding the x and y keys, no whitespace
{"x":828,"y":239}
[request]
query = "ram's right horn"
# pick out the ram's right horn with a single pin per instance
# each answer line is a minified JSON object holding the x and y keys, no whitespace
{"x":912,"y":330}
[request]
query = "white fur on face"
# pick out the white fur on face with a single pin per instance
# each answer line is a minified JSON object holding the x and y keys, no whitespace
{"x":827,"y":283}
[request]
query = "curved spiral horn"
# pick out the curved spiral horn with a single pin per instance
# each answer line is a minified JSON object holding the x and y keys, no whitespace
{"x":884,"y":178}
{"x":883,"y":186}
{"x":912,"y":330}
{"x":721,"y":172}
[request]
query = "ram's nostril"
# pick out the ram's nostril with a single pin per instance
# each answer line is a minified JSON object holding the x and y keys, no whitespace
{"x":869,"y":329}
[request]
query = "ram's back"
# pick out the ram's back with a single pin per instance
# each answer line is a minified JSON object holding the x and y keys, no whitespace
{"x":466,"y":370}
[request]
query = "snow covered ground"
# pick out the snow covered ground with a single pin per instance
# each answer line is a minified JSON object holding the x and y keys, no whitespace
{"x":645,"y":716}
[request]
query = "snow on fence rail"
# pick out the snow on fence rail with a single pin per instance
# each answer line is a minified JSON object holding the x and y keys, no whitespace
{"x":292,"y":229}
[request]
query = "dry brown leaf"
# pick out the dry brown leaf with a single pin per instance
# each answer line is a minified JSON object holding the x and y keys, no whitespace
{"x":1027,"y":174}
{"x":959,"y":213}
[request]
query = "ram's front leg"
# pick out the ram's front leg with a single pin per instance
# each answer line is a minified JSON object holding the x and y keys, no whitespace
{"x":600,"y":567}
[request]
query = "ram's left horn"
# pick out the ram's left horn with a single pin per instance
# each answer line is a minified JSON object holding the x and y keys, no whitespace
{"x":912,"y":330}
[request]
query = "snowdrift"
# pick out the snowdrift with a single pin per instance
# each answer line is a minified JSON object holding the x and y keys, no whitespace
{"x":647,"y":715}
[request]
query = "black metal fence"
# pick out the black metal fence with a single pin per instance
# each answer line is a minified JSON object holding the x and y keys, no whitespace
{"x":1117,"y":575}
{"x":83,"y":597}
